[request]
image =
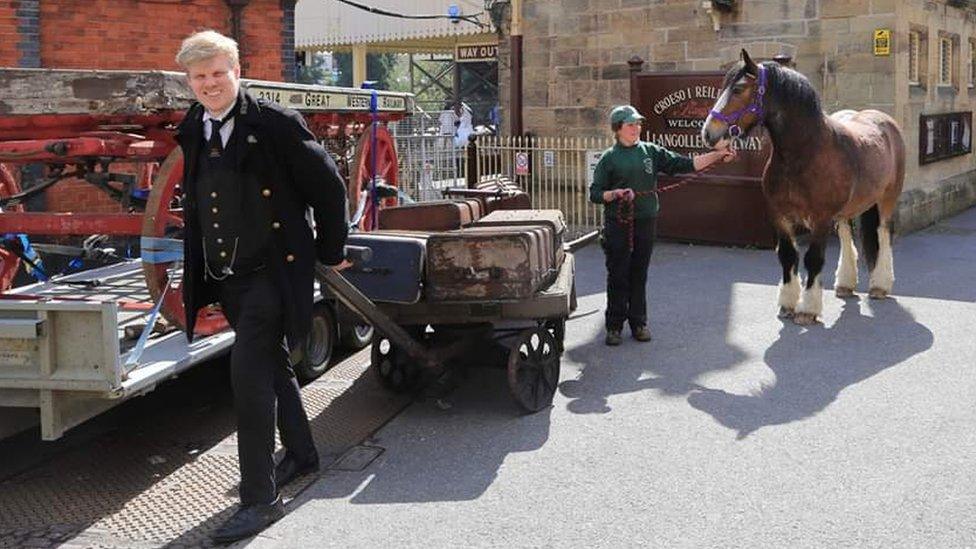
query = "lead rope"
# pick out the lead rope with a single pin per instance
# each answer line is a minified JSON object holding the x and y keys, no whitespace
{"x":625,"y":210}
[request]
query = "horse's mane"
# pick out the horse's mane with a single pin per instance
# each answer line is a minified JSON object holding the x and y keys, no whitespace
{"x":790,"y":90}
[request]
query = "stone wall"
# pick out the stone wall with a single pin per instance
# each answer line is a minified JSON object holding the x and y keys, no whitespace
{"x":575,"y":54}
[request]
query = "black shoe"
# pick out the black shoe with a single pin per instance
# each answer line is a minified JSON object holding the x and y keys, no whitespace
{"x":613,"y":338}
{"x":249,"y":520}
{"x":641,"y":333}
{"x":289,"y":469}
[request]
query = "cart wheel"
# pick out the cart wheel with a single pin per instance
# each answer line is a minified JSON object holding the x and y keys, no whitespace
{"x":319,"y":344}
{"x":9,"y":262}
{"x":395,"y":370}
{"x":533,"y":369}
{"x":557,"y":328}
{"x":363,"y":171}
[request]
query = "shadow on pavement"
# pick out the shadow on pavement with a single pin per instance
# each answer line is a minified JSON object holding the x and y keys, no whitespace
{"x":812,"y":366}
{"x":444,"y":455}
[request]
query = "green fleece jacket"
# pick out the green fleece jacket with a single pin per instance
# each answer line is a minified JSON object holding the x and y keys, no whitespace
{"x":636,"y":168}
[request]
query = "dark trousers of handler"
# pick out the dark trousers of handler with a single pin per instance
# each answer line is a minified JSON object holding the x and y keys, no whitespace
{"x":627,"y":271}
{"x":262,"y":377}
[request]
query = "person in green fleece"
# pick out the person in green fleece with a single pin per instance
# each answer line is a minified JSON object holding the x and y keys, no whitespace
{"x":625,"y":182}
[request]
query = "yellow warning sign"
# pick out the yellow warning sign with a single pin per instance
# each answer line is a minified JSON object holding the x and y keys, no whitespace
{"x":882,"y":41}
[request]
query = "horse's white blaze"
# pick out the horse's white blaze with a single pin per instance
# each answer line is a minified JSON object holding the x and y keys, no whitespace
{"x":846,"y":276}
{"x":789,"y":293}
{"x":883,"y":275}
{"x":812,"y":300}
{"x":719,"y":106}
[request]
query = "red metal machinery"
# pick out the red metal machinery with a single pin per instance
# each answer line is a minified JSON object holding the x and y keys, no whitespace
{"x":81,"y":124}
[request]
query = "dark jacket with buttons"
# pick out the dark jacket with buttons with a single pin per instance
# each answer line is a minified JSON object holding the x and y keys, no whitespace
{"x":279,"y":161}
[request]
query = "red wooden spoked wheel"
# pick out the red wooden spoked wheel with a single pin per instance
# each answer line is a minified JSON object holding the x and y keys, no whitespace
{"x":9,"y":262}
{"x":361,"y":172}
{"x":164,"y":219}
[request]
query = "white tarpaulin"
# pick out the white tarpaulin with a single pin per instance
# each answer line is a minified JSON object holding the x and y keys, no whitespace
{"x":329,"y":24}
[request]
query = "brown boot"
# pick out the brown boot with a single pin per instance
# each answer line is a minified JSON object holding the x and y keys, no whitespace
{"x":641,"y":333}
{"x":613,"y":338}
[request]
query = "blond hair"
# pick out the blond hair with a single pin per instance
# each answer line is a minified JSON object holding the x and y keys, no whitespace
{"x":205,"y":45}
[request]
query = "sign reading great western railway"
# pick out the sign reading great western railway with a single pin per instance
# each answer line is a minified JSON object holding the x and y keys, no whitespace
{"x":475,"y":53}
{"x":725,"y":204}
{"x":321,"y":98}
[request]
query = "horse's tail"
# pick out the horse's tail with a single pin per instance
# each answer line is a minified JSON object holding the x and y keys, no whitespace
{"x":870,"y":221}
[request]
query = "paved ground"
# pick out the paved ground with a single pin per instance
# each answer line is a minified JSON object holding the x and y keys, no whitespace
{"x":732,"y":428}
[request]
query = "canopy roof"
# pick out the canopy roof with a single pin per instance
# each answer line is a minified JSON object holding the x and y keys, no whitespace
{"x":334,"y":26}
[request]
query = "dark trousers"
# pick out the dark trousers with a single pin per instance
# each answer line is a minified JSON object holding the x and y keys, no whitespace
{"x":260,"y":375}
{"x":627,"y":271}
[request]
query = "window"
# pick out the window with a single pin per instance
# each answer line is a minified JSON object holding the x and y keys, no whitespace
{"x":945,"y":61}
{"x":914,"y":39}
{"x":944,"y":136}
{"x":971,"y":80}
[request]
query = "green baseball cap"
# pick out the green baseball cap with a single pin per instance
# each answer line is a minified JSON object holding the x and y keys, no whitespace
{"x":625,"y":114}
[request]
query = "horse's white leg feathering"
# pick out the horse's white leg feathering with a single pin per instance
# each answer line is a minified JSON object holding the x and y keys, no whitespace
{"x":883,"y":275}
{"x":811,"y":303}
{"x":846,"y":276}
{"x":789,"y":293}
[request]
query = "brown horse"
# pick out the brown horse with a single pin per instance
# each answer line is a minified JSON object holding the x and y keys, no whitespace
{"x":823,"y":172}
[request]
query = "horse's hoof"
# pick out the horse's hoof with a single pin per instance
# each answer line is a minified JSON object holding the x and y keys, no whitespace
{"x":878,"y":293}
{"x":843,"y":292}
{"x":804,"y":319}
{"x":785,"y":313}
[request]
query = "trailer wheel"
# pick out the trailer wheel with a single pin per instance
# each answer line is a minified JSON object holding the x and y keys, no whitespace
{"x":318,"y":346}
{"x":356,"y":334}
{"x":533,"y":369}
{"x":394,"y":369}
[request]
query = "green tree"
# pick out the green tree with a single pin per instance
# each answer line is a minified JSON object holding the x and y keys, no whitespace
{"x":379,"y":67}
{"x":314,"y":73}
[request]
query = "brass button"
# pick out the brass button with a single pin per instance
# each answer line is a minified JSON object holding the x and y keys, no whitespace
{"x":220,"y":241}
{"x":266,"y":192}
{"x":289,"y":258}
{"x":223,"y":254}
{"x":276,"y":225}
{"x":214,"y":210}
{"x":216,"y":225}
{"x":213,"y":195}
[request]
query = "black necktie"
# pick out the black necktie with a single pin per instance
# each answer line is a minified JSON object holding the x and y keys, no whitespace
{"x":215,"y":147}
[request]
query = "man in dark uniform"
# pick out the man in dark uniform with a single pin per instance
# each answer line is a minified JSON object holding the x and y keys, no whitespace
{"x":252,"y":169}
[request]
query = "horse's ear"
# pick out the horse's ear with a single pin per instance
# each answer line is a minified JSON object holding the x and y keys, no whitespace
{"x":750,"y":65}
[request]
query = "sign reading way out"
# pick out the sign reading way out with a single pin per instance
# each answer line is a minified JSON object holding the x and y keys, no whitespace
{"x":475,"y":53}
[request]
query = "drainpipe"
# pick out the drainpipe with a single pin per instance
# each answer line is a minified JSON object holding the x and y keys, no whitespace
{"x":515,"y":99}
{"x":236,"y":16}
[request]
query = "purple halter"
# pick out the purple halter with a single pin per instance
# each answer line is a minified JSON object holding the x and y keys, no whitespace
{"x":755,"y":107}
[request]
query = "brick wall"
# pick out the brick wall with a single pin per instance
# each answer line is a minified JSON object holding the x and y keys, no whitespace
{"x":129,"y":34}
{"x":8,"y":33}
{"x":132,"y":34}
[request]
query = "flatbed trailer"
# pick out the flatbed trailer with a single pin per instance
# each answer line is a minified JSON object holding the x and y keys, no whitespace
{"x":69,"y":347}
{"x":66,"y":345}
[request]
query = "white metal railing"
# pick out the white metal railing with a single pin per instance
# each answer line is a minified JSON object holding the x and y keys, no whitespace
{"x":428,"y":164}
{"x":557,"y":175}
{"x":427,"y":156}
